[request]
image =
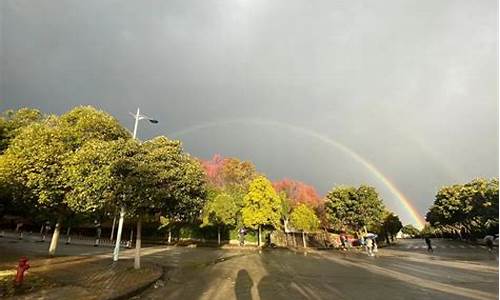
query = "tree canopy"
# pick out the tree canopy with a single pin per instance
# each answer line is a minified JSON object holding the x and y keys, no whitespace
{"x":261,"y":205}
{"x":304,"y":219}
{"x":12,"y":122}
{"x":470,"y":207}
{"x":354,"y":207}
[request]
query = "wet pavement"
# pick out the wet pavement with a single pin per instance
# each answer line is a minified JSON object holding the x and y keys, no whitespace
{"x":396,"y":273}
{"x":455,"y":270}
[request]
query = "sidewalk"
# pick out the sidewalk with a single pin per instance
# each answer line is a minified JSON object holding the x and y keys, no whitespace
{"x":75,"y":239}
{"x":96,"y":277}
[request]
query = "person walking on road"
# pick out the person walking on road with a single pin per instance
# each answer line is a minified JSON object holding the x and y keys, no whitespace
{"x":98,"y":231}
{"x":369,"y":247}
{"x":19,"y":230}
{"x":489,"y":242}
{"x":45,"y":230}
{"x":242,"y":236}
{"x":342,"y":242}
{"x":429,"y":245}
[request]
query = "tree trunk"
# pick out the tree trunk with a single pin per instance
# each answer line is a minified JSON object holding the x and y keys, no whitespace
{"x":218,"y":235}
{"x":131,"y":237}
{"x":137,"y":258}
{"x":55,"y":237}
{"x":119,"y":234}
{"x":259,"y":240}
{"x":304,"y":239}
{"x":169,"y":235}
{"x":113,"y":228}
{"x":68,"y":237}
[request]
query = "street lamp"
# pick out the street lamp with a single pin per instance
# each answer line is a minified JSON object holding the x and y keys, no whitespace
{"x":137,"y":117}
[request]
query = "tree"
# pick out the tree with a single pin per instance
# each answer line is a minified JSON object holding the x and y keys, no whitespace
{"x":341,"y":206}
{"x":155,"y":177}
{"x":354,"y":208}
{"x":470,"y":208}
{"x":12,"y":122}
{"x":238,"y":173}
{"x":391,"y":225}
{"x":34,"y":162}
{"x":229,"y":172}
{"x":304,"y":219}
{"x":221,"y":210}
{"x":294,"y":193}
{"x":298,"y":192}
{"x":261,"y":205}
{"x":410,"y":230}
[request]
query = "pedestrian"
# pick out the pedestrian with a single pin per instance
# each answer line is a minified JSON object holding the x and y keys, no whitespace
{"x":242,"y":236}
{"x":19,"y":230}
{"x":429,"y":245}
{"x":489,"y":243}
{"x":342,"y":242}
{"x":362,"y":242}
{"x":45,"y":230}
{"x":375,"y":247}
{"x":98,"y":231}
{"x":369,"y":247}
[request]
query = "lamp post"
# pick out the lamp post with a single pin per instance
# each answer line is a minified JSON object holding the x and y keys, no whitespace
{"x":116,"y":252}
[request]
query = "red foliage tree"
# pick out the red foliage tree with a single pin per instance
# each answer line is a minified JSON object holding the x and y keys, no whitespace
{"x":298,"y":192}
{"x":213,"y":169}
{"x":228,"y":171}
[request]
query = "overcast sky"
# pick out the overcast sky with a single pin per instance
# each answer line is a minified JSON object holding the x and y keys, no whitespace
{"x":410,"y":86}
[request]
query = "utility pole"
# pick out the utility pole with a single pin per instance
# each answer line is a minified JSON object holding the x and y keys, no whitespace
{"x":116,"y":252}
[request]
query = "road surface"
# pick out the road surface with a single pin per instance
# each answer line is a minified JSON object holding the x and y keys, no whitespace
{"x":455,"y":270}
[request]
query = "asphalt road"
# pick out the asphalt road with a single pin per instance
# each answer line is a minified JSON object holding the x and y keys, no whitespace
{"x":406,"y":271}
{"x":455,"y":270}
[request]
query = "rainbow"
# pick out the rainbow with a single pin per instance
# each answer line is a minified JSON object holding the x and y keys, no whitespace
{"x":406,"y":203}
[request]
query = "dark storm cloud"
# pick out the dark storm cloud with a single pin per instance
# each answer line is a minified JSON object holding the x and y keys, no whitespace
{"x":411,"y":86}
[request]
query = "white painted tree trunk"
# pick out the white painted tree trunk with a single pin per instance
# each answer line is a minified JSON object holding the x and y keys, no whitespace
{"x":218,"y":235}
{"x":137,"y":258}
{"x":170,"y":235}
{"x":304,"y":239}
{"x":119,"y":235}
{"x":259,"y":240}
{"x":55,"y":238}
{"x":113,"y":228}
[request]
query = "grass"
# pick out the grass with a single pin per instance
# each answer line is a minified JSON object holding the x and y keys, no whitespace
{"x":32,"y":283}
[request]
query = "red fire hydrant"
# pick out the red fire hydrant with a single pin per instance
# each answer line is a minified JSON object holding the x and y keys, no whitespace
{"x":21,"y":268}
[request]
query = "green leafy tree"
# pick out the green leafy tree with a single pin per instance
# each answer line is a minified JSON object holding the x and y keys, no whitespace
{"x":354,"y":208}
{"x":155,"y":177}
{"x":262,"y":206}
{"x":392,"y":225}
{"x":12,"y":122}
{"x":222,"y":210}
{"x":470,"y":208}
{"x":410,"y":230}
{"x":33,"y":164}
{"x":304,"y":219}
